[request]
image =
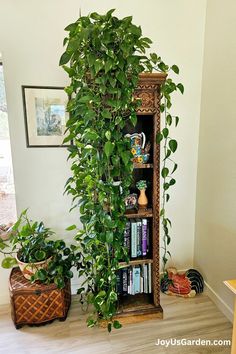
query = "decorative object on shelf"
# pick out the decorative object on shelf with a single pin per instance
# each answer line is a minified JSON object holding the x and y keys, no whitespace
{"x":45,"y":115}
{"x":142,"y":199}
{"x":139,"y":151}
{"x":39,"y":258}
{"x":145,"y":152}
{"x":131,"y":201}
{"x":186,"y":284}
{"x":37,"y":303}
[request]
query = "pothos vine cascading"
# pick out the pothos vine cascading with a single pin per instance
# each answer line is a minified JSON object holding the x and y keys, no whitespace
{"x":104,"y":57}
{"x":169,"y":165}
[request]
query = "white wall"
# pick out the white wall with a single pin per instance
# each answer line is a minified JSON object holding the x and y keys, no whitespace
{"x":31,"y":35}
{"x":215,"y":240}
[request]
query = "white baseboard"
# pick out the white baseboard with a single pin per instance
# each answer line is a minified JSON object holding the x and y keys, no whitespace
{"x":220,"y":303}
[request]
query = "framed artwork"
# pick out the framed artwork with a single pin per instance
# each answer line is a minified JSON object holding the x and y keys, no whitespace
{"x":45,"y":115}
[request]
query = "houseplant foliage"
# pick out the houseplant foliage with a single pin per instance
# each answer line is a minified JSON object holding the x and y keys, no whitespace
{"x":30,"y":243}
{"x":104,"y":56}
{"x":142,"y":184}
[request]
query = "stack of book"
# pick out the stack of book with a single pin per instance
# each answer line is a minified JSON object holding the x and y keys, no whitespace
{"x":134,"y":280}
{"x":136,"y":237}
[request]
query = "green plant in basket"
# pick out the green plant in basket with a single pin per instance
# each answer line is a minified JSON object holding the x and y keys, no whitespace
{"x":39,"y":258}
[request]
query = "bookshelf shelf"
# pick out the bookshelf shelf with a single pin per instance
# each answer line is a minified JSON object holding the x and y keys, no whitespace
{"x":140,"y":213}
{"x":143,"y":165}
{"x":136,"y":308}
{"x":135,"y":262}
{"x":139,"y":288}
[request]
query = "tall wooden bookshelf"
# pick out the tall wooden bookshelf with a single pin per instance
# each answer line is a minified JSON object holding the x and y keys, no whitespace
{"x":140,"y":307}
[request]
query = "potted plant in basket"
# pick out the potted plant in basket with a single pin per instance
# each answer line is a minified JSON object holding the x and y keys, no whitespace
{"x":39,"y":258}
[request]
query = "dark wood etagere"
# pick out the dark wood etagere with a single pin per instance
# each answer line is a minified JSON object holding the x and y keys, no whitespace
{"x":139,"y":307}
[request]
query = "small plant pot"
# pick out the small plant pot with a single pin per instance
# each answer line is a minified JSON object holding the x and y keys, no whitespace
{"x":29,"y":269}
{"x":142,"y":200}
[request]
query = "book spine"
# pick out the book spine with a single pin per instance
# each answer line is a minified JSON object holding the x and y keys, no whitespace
{"x":132,"y":280}
{"x":119,"y":282}
{"x":149,"y":278}
{"x":148,"y":236}
{"x":139,"y":237}
{"x":128,"y":281}
{"x":136,"y":280}
{"x":144,"y":237}
{"x":141,"y":279}
{"x":145,"y":287}
{"x":127,"y":235}
{"x":133,"y":239}
{"x":125,"y":281}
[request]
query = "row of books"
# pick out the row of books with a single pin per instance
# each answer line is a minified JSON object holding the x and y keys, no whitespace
{"x":134,"y":280}
{"x":136,"y":237}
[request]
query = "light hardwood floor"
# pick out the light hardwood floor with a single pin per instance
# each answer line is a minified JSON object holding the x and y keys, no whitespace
{"x":183,"y":318}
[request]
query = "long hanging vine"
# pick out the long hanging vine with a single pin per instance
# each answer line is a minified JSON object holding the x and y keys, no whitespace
{"x":104,"y":56}
{"x":169,"y":148}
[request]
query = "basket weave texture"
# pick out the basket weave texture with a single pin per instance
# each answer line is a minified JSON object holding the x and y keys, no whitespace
{"x":36,"y":303}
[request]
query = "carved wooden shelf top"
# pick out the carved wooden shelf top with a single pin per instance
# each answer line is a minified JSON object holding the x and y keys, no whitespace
{"x":153,"y":76}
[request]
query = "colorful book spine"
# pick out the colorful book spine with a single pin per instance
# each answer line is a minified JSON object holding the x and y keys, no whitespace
{"x":139,"y":237}
{"x":136,"y":280}
{"x":144,"y":237}
{"x":148,"y":236}
{"x":133,"y":239}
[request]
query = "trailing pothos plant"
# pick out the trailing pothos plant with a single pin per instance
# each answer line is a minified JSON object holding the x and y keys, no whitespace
{"x":104,"y":56}
{"x":169,"y":165}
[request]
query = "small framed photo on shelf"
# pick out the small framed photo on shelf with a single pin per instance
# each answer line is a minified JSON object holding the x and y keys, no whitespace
{"x":131,"y":201}
{"x":45,"y":115}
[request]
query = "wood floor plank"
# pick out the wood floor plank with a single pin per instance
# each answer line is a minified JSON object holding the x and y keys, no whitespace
{"x":183,"y":318}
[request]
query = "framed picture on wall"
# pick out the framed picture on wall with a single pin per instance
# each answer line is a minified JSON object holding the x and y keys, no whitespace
{"x":45,"y":115}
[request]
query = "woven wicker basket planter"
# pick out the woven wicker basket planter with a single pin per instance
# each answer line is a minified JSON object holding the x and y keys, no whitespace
{"x":35,"y":304}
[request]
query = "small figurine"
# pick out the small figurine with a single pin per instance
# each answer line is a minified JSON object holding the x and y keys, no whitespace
{"x":186,"y":284}
{"x":131,"y":201}
{"x":142,"y":200}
